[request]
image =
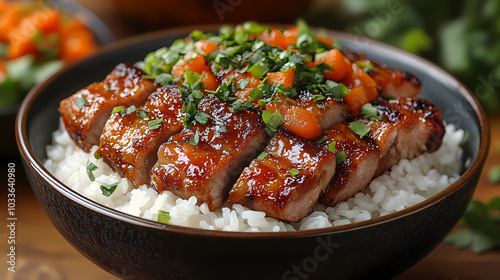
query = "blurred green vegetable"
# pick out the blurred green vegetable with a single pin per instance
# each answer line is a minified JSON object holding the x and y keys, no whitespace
{"x":483,"y":227}
{"x":22,"y":74}
{"x":463,"y":36}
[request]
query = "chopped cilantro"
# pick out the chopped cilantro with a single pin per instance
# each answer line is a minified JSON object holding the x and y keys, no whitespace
{"x":154,"y":124}
{"x":163,"y":217}
{"x":81,"y":102}
{"x":222,"y":129}
{"x":262,"y":156}
{"x":142,"y":114}
{"x":109,"y":190}
{"x":194,"y":140}
{"x":272,"y":121}
{"x":293,"y":172}
{"x":359,"y":128}
{"x":202,"y":117}
{"x":366,"y":66}
{"x":90,"y":168}
{"x":370,"y":112}
{"x":482,"y":232}
{"x":241,"y":104}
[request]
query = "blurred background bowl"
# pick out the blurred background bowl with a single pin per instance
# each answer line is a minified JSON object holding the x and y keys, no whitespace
{"x":134,"y":248}
{"x":103,"y":35}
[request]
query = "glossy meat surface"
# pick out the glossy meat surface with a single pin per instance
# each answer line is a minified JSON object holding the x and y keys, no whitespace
{"x":389,"y":81}
{"x":207,"y":170}
{"x":130,"y":146}
{"x":328,"y":111}
{"x":358,"y":168}
{"x":409,"y":127}
{"x":271,"y":185}
{"x":123,"y":86}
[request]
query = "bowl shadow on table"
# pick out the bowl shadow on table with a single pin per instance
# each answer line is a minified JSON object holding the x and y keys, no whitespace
{"x":133,"y":248}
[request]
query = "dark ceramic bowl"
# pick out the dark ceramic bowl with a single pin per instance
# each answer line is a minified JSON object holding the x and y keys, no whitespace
{"x":134,"y":248}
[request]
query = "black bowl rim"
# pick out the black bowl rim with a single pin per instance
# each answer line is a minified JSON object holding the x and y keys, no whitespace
{"x":37,"y":166}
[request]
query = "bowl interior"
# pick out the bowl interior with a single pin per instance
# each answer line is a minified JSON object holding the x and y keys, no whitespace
{"x":40,"y":116}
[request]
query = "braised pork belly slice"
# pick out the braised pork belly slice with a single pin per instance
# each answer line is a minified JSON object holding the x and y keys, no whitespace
{"x":356,"y":170}
{"x":409,"y":127}
{"x":287,"y":182}
{"x":328,"y":111}
{"x":85,"y":112}
{"x":205,"y":160}
{"x":389,"y":81}
{"x":129,"y":142}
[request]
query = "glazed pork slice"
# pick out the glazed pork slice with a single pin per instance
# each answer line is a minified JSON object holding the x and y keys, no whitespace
{"x":205,"y":160}
{"x":85,"y":112}
{"x":129,"y":142}
{"x":328,"y":111}
{"x":409,"y":127}
{"x":356,"y":170}
{"x":390,"y":81}
{"x":287,"y":182}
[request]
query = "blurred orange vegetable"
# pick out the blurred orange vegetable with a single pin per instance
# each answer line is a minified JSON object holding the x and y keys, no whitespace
{"x":206,"y":46}
{"x":286,"y":78}
{"x":209,"y":80}
{"x":356,"y":99}
{"x":45,"y":32}
{"x":338,"y":62}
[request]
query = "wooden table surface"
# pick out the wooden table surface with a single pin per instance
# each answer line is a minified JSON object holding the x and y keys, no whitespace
{"x":42,"y":253}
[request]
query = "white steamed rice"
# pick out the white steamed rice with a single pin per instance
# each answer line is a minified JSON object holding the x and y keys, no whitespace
{"x":408,"y":183}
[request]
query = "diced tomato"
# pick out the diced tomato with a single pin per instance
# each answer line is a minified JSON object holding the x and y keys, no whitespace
{"x":326,"y":41}
{"x":47,"y":21}
{"x":356,"y":99}
{"x":274,"y":38}
{"x":3,"y":71}
{"x":357,"y":77}
{"x":335,"y":59}
{"x":238,"y":77}
{"x":286,"y":78}
{"x":209,"y":80}
{"x":206,"y":46}
{"x":296,"y":119}
{"x":291,"y":35}
{"x":9,"y":18}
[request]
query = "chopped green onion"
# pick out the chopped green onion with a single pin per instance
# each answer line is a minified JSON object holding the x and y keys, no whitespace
{"x":262,"y":156}
{"x":322,"y":139}
{"x":117,"y":109}
{"x":340,"y":157}
{"x":163,"y":217}
{"x":81,"y":102}
{"x":293,"y":172}
{"x":91,"y":167}
{"x":97,"y":156}
{"x":332,"y":145}
{"x":109,"y":190}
